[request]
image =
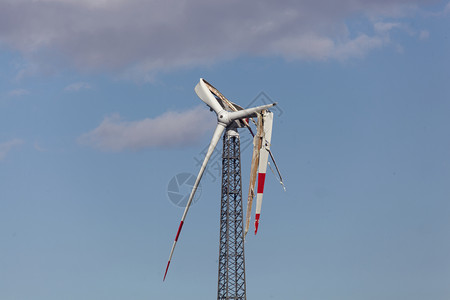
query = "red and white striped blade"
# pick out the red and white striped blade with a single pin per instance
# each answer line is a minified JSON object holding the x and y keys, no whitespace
{"x":263,"y":158}
{"x":257,"y":142}
{"x":173,"y":248}
{"x":215,"y":139}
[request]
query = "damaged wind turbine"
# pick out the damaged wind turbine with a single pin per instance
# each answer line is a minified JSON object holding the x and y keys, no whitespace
{"x":228,"y":115}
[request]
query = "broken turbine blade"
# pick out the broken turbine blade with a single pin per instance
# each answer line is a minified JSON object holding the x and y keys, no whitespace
{"x":257,"y":142}
{"x":262,"y":166}
{"x":202,"y":91}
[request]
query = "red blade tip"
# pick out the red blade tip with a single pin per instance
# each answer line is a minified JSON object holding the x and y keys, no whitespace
{"x":256,"y":223}
{"x":167,"y":268}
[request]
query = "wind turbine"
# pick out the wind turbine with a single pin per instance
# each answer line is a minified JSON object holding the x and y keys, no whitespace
{"x":229,"y":117}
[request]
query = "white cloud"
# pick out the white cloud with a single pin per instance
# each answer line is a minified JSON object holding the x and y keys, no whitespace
{"x":18,"y":92}
{"x":323,"y":48}
{"x":143,"y":37}
{"x":6,"y":147}
{"x":385,"y":27}
{"x":77,"y":86}
{"x":359,"y":46}
{"x":171,"y":129}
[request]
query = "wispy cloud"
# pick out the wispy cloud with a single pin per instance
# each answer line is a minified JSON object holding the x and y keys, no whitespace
{"x":171,"y":129}
{"x":38,"y":147}
{"x":385,"y":27}
{"x":442,"y":13}
{"x":323,"y":48}
{"x":6,"y":147}
{"x":77,"y":86}
{"x":424,"y":34}
{"x":136,"y":36}
{"x":18,"y":92}
{"x":447,"y":9}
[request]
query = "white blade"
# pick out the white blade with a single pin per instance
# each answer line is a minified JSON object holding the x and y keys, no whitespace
{"x":245,"y":113}
{"x":215,"y":139}
{"x":203,"y":92}
{"x":257,"y":142}
{"x":263,"y":158}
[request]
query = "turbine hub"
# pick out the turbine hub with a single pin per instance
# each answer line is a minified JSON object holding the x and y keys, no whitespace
{"x":224,"y":117}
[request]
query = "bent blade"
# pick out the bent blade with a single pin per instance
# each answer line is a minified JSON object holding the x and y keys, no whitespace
{"x":215,"y":139}
{"x":257,"y":141}
{"x":262,"y":168}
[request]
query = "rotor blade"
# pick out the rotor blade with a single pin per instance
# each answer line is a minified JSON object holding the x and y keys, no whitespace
{"x":280,"y":178}
{"x":223,"y":99}
{"x":262,"y":168}
{"x":257,"y":141}
{"x":203,"y":92}
{"x":215,"y":139}
{"x":245,"y":113}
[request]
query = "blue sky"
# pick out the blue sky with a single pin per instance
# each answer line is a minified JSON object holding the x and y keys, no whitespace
{"x":94,"y":96}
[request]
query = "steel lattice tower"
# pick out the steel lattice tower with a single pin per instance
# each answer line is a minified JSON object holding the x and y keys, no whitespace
{"x":231,"y":283}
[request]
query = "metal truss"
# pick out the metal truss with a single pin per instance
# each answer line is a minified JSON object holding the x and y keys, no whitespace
{"x":231,"y":283}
